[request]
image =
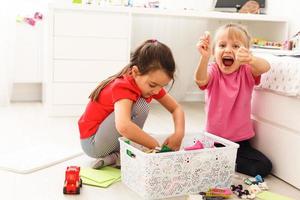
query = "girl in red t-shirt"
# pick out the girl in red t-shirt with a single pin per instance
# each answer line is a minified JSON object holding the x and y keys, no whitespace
{"x":119,"y":105}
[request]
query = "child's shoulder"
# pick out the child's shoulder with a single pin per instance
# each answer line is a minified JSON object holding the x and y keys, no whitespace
{"x":125,"y":82}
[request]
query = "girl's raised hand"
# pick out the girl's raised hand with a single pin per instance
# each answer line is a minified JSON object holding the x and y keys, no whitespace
{"x":204,"y":45}
{"x":244,"y":56}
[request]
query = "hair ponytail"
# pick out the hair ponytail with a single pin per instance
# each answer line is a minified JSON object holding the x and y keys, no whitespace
{"x":95,"y":94}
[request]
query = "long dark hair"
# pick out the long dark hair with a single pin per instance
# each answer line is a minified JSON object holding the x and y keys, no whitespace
{"x":149,"y":56}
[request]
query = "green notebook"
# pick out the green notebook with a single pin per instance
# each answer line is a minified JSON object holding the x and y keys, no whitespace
{"x":272,"y":196}
{"x":104,"y":184}
{"x":103,"y":177}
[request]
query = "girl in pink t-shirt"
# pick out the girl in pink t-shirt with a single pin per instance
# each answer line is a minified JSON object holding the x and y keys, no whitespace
{"x":119,"y":105}
{"x":229,"y":82}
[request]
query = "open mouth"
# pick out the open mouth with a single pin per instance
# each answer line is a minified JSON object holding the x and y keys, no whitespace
{"x":227,"y":61}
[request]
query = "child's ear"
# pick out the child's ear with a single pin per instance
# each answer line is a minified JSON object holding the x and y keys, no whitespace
{"x":135,"y":71}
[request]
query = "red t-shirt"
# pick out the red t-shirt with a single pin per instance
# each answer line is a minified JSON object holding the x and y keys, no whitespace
{"x":96,"y":111}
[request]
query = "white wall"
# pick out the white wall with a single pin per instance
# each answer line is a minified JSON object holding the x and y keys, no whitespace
{"x":274,"y":7}
{"x":287,"y":8}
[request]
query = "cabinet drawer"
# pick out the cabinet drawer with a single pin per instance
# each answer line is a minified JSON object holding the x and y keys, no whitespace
{"x":91,"y":48}
{"x":277,"y":109}
{"x":84,"y":71}
{"x":72,"y":93}
{"x":97,"y":24}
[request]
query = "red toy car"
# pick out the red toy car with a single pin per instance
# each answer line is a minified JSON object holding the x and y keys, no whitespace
{"x":73,"y":181}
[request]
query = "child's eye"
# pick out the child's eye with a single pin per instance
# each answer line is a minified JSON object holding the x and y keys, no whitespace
{"x":236,"y":46}
{"x":152,"y":86}
{"x":222,"y":45}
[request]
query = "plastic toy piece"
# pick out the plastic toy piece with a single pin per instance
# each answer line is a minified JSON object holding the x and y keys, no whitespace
{"x":263,"y":186}
{"x":29,"y":21}
{"x":164,"y":149}
{"x":256,"y":180}
{"x":77,"y":1}
{"x":38,"y":15}
{"x":238,"y":187}
{"x":197,"y":145}
{"x":73,"y":182}
{"x":217,"y":192}
{"x":19,"y":19}
{"x":259,"y":179}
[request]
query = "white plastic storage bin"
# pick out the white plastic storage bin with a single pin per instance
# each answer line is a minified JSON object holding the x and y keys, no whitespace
{"x":162,"y":175}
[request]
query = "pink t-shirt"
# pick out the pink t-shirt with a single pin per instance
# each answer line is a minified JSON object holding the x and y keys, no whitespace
{"x":228,"y":102}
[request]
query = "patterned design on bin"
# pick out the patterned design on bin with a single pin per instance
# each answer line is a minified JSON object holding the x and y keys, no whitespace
{"x":155,"y":176}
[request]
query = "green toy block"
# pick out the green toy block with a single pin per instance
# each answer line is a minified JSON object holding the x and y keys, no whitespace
{"x":165,"y":148}
{"x":77,"y":1}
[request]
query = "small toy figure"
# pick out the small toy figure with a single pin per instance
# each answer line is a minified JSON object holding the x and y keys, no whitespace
{"x":73,"y":181}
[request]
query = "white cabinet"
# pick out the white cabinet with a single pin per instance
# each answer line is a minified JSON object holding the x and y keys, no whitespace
{"x":89,"y":43}
{"x":85,"y":47}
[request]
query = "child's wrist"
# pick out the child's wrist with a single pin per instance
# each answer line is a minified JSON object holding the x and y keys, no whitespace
{"x":205,"y":57}
{"x":253,"y":60}
{"x":179,"y":134}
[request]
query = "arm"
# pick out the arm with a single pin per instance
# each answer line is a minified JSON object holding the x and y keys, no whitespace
{"x":204,"y":48}
{"x":127,"y":128}
{"x":201,"y":75}
{"x":258,"y":65}
{"x":174,"y":141}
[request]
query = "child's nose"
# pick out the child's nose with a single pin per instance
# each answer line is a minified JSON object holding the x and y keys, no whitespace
{"x":228,"y":48}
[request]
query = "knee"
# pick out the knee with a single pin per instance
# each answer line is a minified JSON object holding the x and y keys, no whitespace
{"x":262,"y":168}
{"x":141,"y":107}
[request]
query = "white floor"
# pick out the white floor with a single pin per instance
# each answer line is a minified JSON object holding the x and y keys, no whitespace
{"x":26,"y":124}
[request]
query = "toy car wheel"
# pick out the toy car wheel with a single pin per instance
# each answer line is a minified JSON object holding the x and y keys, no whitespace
{"x":78,"y":191}
{"x":65,"y":190}
{"x":80,"y":182}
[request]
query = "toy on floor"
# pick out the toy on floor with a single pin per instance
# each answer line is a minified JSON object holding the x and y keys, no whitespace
{"x":256,"y":180}
{"x":243,"y":194}
{"x":259,"y":183}
{"x":73,"y":182}
{"x":217,"y":192}
{"x":197,"y":145}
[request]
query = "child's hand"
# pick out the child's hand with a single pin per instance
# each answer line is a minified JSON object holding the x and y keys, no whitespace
{"x":174,"y":141}
{"x":244,"y":56}
{"x":154,"y":143}
{"x":204,"y":45}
